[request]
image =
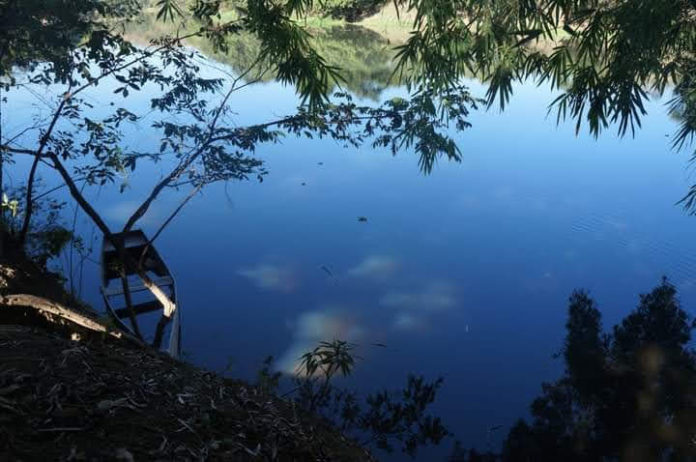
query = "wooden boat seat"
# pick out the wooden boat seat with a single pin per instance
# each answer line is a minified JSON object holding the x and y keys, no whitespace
{"x":134,"y":242}
{"x":140,"y":308}
{"x":117,"y":288}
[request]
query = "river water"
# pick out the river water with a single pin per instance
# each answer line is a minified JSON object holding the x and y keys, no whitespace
{"x":464,"y":273}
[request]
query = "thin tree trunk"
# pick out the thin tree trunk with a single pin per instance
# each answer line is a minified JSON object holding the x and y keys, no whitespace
{"x":166,"y":222}
{"x":159,"y":331}
{"x":79,"y":198}
{"x":28,"y":210}
{"x":140,"y":211}
{"x":127,"y":294}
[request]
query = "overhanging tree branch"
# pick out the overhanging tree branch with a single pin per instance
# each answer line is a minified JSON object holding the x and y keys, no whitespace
{"x":67,"y":96}
{"x":190,"y":159}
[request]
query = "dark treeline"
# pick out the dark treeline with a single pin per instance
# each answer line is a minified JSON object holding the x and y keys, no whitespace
{"x":626,"y":394}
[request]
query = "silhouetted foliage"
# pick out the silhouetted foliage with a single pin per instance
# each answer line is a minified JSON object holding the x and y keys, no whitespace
{"x":266,"y":379}
{"x":585,"y":350}
{"x":350,"y":10}
{"x":48,"y":31}
{"x":627,"y":395}
{"x":387,"y":420}
{"x":48,"y":234}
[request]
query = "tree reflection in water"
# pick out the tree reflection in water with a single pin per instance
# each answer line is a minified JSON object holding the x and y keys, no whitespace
{"x":626,"y":394}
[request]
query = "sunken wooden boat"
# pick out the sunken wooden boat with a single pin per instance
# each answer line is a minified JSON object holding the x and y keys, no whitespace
{"x":138,"y":284}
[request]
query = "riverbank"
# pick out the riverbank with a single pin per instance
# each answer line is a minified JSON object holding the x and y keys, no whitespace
{"x":71,"y":392}
{"x":391,"y":25}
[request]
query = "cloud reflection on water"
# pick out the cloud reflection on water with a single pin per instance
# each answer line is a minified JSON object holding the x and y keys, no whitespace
{"x":377,"y":267}
{"x":434,"y":296}
{"x":312,"y":327}
{"x":270,"y":277}
{"x":121,"y":211}
{"x":415,"y":308}
{"x":408,"y":322}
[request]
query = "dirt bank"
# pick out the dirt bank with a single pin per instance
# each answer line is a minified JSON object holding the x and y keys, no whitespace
{"x":68,"y":392}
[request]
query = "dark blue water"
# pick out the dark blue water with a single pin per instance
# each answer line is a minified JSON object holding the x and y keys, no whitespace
{"x":463,"y":273}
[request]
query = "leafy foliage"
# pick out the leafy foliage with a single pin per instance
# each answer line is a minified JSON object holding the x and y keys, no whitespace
{"x":402,"y":416}
{"x":327,"y":359}
{"x":48,"y":236}
{"x":350,"y":10}
{"x":603,"y":57}
{"x":11,"y":205}
{"x":383,"y":419}
{"x":199,"y":138}
{"x":47,"y":31}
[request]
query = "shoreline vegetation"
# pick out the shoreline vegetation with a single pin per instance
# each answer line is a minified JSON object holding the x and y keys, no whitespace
{"x":384,"y":20}
{"x":364,"y":49}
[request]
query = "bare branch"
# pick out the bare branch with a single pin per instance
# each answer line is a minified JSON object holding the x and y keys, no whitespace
{"x":11,"y":150}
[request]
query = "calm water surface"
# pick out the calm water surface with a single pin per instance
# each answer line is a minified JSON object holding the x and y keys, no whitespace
{"x":463,"y":274}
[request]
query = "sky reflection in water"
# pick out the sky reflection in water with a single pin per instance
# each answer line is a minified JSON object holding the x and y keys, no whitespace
{"x":464,"y":273}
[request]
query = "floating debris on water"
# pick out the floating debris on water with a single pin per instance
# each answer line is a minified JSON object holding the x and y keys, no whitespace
{"x":326,"y":270}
